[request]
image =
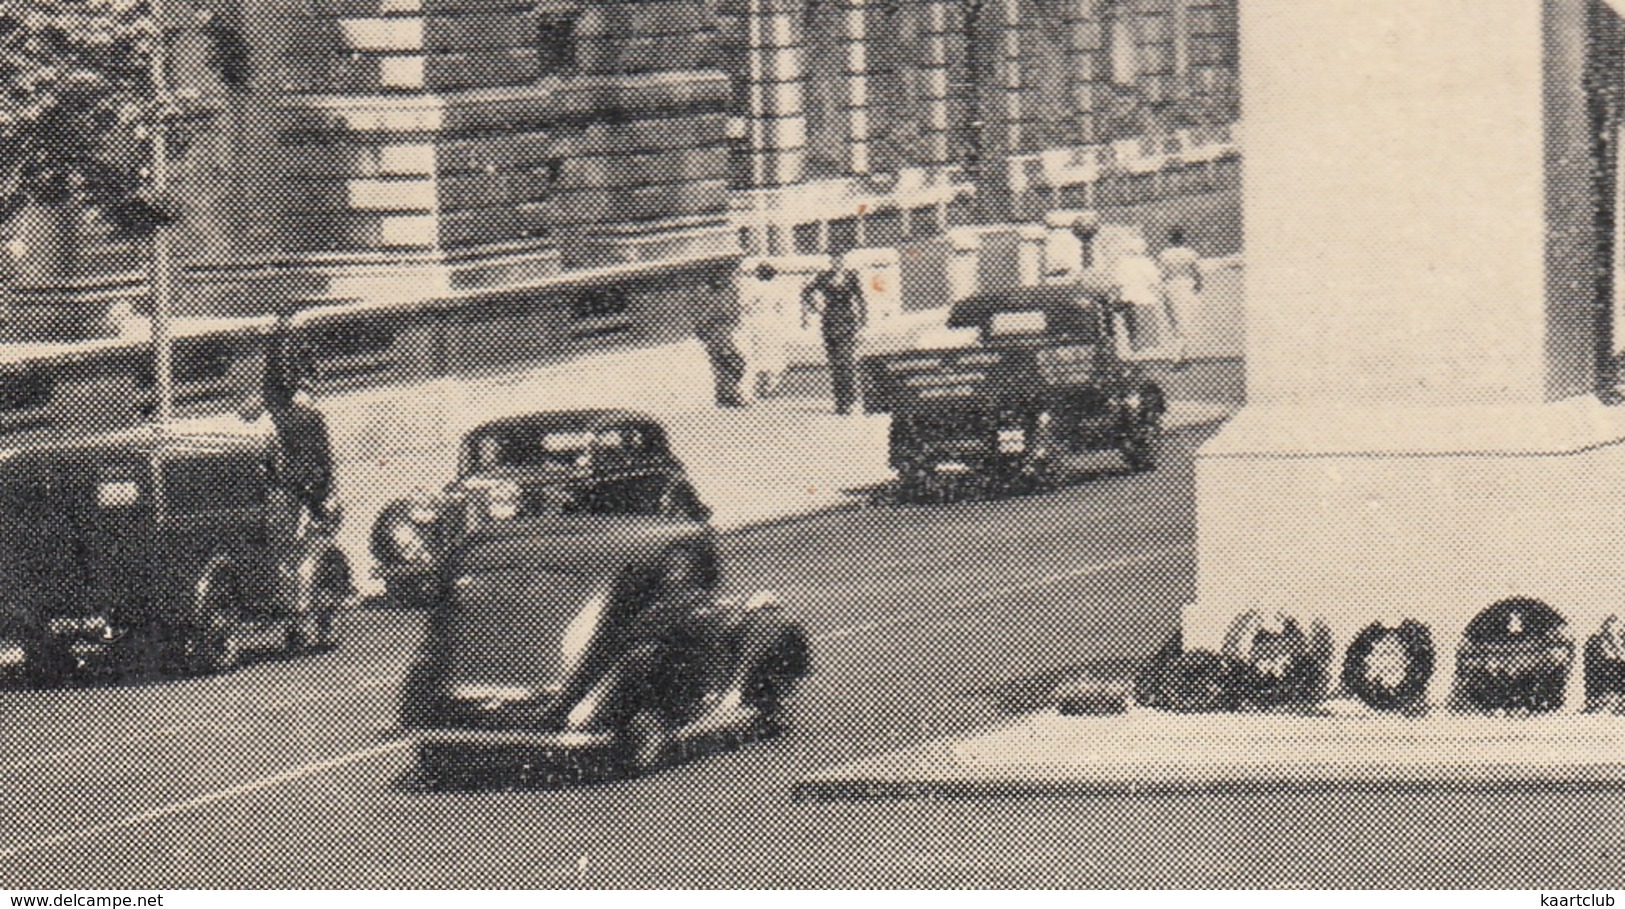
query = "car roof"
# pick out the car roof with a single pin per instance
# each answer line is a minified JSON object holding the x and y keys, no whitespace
{"x":150,"y":440}
{"x":1068,"y":307}
{"x":565,"y":421}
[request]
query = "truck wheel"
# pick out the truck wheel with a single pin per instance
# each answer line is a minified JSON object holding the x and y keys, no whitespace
{"x":1140,"y":443}
{"x":215,"y":642}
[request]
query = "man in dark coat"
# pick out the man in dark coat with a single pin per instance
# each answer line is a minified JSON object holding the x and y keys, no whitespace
{"x":287,"y":361}
{"x":838,"y":296}
{"x":304,"y":463}
{"x":715,"y":324}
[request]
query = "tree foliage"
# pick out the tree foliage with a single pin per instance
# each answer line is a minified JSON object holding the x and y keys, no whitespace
{"x":77,"y":107}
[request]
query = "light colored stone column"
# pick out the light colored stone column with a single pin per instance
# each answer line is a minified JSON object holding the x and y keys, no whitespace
{"x":1008,"y":95}
{"x":1419,"y":439}
{"x":964,"y":264}
{"x":1086,"y":53}
{"x":1030,"y":243}
{"x":775,"y":120}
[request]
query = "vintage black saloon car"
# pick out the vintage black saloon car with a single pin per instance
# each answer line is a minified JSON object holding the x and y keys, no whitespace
{"x":158,"y":545}
{"x":572,"y":462}
{"x":575,"y":623}
{"x":1046,"y":379}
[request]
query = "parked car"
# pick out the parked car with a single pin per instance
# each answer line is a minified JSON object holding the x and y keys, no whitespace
{"x":577,"y":461}
{"x":159,"y":545}
{"x":576,"y":625}
{"x":1044,"y":379}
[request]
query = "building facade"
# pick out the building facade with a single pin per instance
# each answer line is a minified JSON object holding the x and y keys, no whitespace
{"x":402,"y":151}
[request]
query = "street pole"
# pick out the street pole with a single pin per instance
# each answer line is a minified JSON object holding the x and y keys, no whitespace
{"x":161,"y":280}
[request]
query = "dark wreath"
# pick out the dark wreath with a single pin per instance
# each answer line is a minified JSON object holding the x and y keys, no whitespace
{"x":1515,"y":657}
{"x":1371,"y":685}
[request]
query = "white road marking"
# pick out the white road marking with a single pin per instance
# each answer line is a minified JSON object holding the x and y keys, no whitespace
{"x":197,"y":722}
{"x":985,"y":596}
{"x":365,"y":754}
{"x":203,"y":801}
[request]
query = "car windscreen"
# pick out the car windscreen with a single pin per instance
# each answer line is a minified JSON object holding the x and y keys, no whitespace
{"x":493,"y":450}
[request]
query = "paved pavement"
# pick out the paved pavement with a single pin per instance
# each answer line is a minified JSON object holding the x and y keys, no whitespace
{"x":1347,"y":747}
{"x":781,"y":457}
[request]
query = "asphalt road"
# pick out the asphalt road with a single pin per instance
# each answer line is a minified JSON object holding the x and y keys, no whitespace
{"x":928,"y":620}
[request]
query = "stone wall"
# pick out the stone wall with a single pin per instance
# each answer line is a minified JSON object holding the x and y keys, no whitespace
{"x":394,"y":151}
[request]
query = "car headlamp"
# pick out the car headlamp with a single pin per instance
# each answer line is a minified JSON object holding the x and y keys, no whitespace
{"x":407,"y":539}
{"x":502,"y":501}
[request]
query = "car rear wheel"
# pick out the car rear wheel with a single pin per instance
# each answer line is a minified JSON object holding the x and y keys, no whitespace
{"x":648,"y":741}
{"x":440,"y":764}
{"x":777,"y":675}
{"x":1141,"y":442}
{"x":48,"y":664}
{"x":914,"y":482}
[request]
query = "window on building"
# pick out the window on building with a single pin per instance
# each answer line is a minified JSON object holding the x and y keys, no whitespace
{"x":556,"y":43}
{"x":1120,"y":40}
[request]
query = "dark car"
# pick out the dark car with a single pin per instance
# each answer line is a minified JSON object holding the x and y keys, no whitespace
{"x":575,"y":620}
{"x":158,"y":545}
{"x":1046,"y":379}
{"x":569,"y":462}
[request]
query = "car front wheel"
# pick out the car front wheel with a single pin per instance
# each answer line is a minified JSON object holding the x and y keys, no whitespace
{"x":648,"y":741}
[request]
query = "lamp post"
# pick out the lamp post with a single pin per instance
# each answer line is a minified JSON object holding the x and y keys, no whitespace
{"x":161,"y":279}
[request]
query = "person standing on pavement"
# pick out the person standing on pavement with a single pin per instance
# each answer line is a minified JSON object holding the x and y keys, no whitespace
{"x":301,"y":468}
{"x":766,"y":333}
{"x":837,"y":295}
{"x":1137,"y":280}
{"x":716,"y":323}
{"x":287,"y":361}
{"x":301,"y":471}
{"x":1182,"y":281}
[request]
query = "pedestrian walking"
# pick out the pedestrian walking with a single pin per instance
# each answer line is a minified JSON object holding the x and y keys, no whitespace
{"x":766,"y":333}
{"x":837,"y":296}
{"x":1182,"y":284}
{"x":716,"y":324}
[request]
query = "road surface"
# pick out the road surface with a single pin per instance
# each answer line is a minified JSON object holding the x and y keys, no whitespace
{"x":928,"y":620}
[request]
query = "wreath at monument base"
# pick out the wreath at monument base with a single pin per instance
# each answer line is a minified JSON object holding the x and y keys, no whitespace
{"x":1605,"y":667}
{"x":1283,"y":665}
{"x":1515,"y":657}
{"x":1388,"y":667}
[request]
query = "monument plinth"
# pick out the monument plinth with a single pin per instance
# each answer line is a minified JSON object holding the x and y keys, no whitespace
{"x":1421,"y":439}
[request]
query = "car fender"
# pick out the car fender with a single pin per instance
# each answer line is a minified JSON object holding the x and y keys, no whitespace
{"x":218,"y":570}
{"x":617,"y":694}
{"x":390,"y":514}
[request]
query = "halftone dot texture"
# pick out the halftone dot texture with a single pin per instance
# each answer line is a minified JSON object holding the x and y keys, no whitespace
{"x":453,"y":158}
